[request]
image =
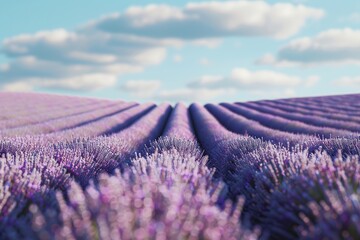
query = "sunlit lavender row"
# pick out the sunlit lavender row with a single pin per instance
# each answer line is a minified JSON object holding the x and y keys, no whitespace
{"x":82,"y":168}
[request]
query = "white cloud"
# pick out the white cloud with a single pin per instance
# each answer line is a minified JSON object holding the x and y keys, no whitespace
{"x":269,"y":59}
{"x":131,"y":41}
{"x":93,"y":57}
{"x":152,"y":14}
{"x":258,"y":84}
{"x":208,"y":20}
{"x":289,"y":92}
{"x":152,"y":56}
{"x":141,"y":87}
{"x":352,"y":18}
{"x":210,"y":43}
{"x":87,"y":82}
{"x":207,"y":80}
{"x":348,"y":82}
{"x":268,"y":84}
{"x":151,"y":89}
{"x":49,"y":74}
{"x":56,"y":36}
{"x":85,"y":47}
{"x":242,"y":79}
{"x":177,"y":58}
{"x":18,"y":87}
{"x":262,"y":79}
{"x":355,"y":17}
{"x":78,"y":61}
{"x":4,"y":67}
{"x":188,"y":95}
{"x":334,"y":46}
{"x":311,"y":81}
{"x":204,"y":61}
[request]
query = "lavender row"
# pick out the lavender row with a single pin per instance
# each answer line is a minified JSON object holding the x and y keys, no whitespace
{"x":143,"y":131}
{"x":219,"y":143}
{"x":345,"y":100}
{"x":313,"y":107}
{"x":163,"y":196}
{"x":53,"y":108}
{"x":51,"y":114}
{"x":244,"y":126}
{"x":208,"y":129}
{"x":214,"y":224}
{"x":279,"y":123}
{"x":299,"y":110}
{"x":128,"y":114}
{"x":310,"y":119}
{"x":179,"y":124}
{"x":26,"y":178}
{"x":15,"y":102}
{"x":106,"y":153}
{"x":19,"y":105}
{"x":82,"y":159}
{"x":309,"y":104}
{"x":290,"y":193}
{"x":264,"y":173}
{"x":178,"y":132}
{"x":259,"y":168}
{"x":281,"y":187}
{"x":66,"y":122}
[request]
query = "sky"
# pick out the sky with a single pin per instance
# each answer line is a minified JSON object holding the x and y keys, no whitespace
{"x":188,"y":51}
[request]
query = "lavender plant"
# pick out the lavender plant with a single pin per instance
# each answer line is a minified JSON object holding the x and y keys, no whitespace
{"x":117,"y":170}
{"x":163,"y":196}
{"x":283,"y":124}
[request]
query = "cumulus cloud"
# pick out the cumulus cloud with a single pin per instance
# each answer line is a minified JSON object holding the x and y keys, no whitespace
{"x":271,"y":60}
{"x":4,"y":67}
{"x":242,"y":79}
{"x":334,"y":46}
{"x":141,"y":88}
{"x":355,"y":17}
{"x":208,"y":20}
{"x":88,"y":82}
{"x":177,"y":58}
{"x":204,"y":61}
{"x":188,"y":95}
{"x":348,"y":82}
{"x":152,"y":90}
{"x":210,"y":43}
{"x":80,"y":61}
{"x":18,"y":87}
{"x":84,"y":82}
{"x":94,"y":55}
{"x":352,"y":18}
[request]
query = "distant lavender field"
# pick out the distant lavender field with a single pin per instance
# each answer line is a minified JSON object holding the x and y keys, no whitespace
{"x":82,"y":168}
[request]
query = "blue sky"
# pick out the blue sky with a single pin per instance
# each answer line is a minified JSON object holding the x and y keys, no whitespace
{"x":181,"y":50}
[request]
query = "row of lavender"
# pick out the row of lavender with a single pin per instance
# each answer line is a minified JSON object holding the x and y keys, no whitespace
{"x":309,"y":190}
{"x":68,"y":188}
{"x":268,"y":115}
{"x":84,"y":155}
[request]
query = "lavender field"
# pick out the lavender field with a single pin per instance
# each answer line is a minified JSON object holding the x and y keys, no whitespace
{"x":83,"y":168}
